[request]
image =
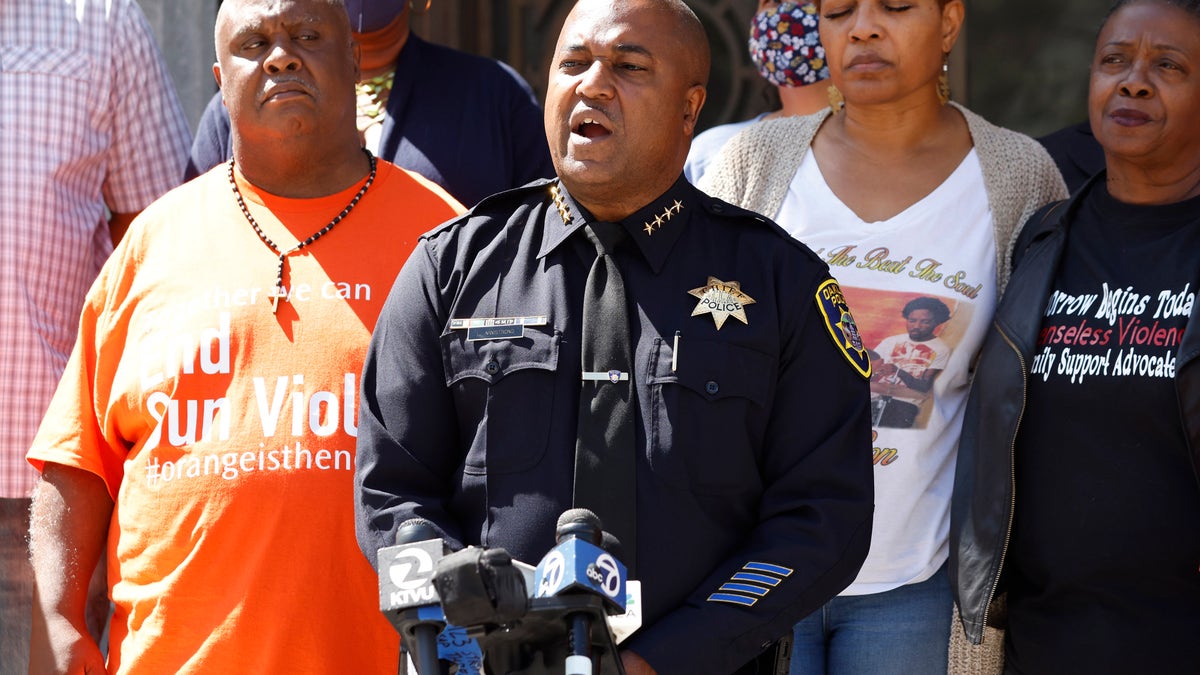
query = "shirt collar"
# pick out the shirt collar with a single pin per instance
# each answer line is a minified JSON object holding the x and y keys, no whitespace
{"x":655,"y":227}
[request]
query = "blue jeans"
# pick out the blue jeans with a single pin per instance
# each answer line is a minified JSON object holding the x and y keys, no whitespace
{"x":901,"y":631}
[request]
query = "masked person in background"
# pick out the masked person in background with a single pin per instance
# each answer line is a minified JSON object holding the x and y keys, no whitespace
{"x":787,"y":51}
{"x":468,"y":123}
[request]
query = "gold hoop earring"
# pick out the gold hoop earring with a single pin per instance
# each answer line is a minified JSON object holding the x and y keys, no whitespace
{"x":943,"y":84}
{"x":413,"y":7}
{"x":836,"y":100}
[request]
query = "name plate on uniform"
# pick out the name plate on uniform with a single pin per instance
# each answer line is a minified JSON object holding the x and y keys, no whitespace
{"x":499,"y":328}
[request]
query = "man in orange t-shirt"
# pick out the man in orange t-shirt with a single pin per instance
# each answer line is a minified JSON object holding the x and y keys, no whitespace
{"x":204,"y":429}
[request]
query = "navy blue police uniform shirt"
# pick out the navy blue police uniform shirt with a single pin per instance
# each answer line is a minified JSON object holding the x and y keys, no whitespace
{"x":468,"y":123}
{"x":754,"y":481}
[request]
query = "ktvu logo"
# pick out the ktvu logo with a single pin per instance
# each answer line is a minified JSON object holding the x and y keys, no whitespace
{"x":410,"y":571}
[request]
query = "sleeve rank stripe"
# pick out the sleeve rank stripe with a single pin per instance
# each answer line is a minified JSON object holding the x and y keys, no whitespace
{"x":745,"y":588}
{"x":755,"y":578}
{"x":766,"y":567}
{"x":732,"y":599}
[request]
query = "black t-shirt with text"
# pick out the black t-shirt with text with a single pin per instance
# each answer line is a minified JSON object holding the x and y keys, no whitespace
{"x":1103,"y":570}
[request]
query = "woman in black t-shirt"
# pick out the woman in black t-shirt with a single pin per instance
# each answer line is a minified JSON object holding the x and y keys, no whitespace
{"x":1077,"y":494}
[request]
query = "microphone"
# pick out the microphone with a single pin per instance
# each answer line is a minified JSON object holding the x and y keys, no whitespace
{"x":480,"y":589}
{"x":478,"y":607}
{"x":409,"y":599}
{"x":578,"y":566}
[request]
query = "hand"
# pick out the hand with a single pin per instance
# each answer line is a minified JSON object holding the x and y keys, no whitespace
{"x":57,"y":646}
{"x":635,"y":665}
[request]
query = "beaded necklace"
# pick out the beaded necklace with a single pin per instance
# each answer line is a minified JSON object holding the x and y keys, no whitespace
{"x":279,"y":292}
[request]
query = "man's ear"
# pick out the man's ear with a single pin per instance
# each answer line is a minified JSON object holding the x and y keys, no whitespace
{"x":693,"y":102}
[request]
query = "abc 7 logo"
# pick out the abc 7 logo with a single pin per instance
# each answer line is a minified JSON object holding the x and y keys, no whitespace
{"x":554,"y":569}
{"x":604,"y":572}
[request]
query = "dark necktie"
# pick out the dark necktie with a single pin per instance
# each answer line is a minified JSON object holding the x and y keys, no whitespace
{"x":605,"y":449}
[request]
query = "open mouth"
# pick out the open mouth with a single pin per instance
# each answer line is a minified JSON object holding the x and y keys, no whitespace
{"x":590,"y":128}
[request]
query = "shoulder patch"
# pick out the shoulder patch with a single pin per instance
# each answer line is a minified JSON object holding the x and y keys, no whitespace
{"x":841,"y":326}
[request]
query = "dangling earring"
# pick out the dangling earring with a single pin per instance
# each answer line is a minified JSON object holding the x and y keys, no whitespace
{"x":943,"y":84}
{"x":413,"y":7}
{"x":836,"y":100}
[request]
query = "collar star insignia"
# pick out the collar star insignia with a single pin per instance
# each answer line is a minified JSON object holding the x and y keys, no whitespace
{"x":560,"y":203}
{"x":721,"y":299}
{"x":652,"y":226}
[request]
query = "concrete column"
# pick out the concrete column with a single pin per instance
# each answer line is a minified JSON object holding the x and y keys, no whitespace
{"x":185,"y":35}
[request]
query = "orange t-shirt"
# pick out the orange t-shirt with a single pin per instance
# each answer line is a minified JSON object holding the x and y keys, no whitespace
{"x":225,"y":432}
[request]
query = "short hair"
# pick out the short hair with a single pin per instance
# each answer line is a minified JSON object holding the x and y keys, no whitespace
{"x":1190,"y":6}
{"x":941,"y":313}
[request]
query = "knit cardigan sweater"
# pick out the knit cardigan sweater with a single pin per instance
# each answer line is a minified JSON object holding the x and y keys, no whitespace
{"x":755,"y":168}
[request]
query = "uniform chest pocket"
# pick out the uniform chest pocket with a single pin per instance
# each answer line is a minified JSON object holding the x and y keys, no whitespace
{"x":708,"y":417}
{"x":504,"y":390}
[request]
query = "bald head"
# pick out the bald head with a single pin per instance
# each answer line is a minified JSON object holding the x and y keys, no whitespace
{"x":626,"y":86}
{"x":228,"y":11}
{"x":692,"y":34}
{"x":687,"y":29}
{"x":287,"y":70}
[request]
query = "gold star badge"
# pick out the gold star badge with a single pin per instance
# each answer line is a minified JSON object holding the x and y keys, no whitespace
{"x":721,"y":299}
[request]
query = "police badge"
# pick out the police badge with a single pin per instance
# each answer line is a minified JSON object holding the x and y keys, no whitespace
{"x":721,"y":299}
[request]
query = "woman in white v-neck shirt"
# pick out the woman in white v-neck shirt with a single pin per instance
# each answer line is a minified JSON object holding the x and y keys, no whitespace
{"x":914,"y":203}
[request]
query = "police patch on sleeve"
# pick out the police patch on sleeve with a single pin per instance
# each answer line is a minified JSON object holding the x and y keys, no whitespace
{"x":841,"y":326}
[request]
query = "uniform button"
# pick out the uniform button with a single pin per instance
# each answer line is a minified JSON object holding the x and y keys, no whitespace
{"x":718,"y":207}
{"x":492,"y":367}
{"x":712,"y":387}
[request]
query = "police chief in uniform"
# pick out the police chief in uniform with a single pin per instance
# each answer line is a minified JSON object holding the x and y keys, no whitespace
{"x":744,"y":499}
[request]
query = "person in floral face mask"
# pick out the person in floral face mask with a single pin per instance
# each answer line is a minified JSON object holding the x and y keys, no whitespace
{"x":785,"y":48}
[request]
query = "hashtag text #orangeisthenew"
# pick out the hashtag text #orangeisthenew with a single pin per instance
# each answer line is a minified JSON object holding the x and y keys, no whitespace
{"x":230,"y":465}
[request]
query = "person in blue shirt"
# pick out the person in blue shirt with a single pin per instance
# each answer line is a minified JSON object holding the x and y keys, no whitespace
{"x":468,"y":123}
{"x":786,"y":49}
{"x":751,"y":482}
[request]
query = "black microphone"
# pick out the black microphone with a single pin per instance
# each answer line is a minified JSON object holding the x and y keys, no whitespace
{"x":577,"y":565}
{"x":480,"y":589}
{"x":407,"y":594}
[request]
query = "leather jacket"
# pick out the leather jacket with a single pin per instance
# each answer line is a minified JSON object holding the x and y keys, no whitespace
{"x":984,"y":497}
